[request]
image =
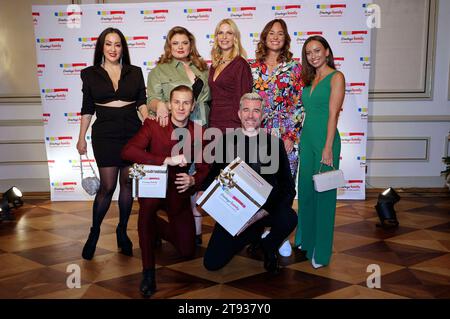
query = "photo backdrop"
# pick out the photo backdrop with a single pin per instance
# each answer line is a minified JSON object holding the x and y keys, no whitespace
{"x":65,"y":42}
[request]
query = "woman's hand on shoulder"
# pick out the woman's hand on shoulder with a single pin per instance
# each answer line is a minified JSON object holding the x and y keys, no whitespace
{"x":162,"y":113}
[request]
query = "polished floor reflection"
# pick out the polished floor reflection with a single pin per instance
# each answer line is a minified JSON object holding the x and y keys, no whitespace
{"x":46,"y":237}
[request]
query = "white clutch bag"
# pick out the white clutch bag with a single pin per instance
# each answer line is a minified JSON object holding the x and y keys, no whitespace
{"x":328,"y":180}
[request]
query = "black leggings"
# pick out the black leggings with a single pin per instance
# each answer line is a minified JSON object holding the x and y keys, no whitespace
{"x":222,"y":246}
{"x":108,"y":182}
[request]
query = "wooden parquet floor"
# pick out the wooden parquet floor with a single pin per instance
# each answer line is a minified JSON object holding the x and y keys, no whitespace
{"x":46,"y":237}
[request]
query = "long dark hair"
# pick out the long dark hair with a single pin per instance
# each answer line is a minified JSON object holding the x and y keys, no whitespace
{"x":308,"y":71}
{"x":98,"y":55}
{"x":261,"y":50}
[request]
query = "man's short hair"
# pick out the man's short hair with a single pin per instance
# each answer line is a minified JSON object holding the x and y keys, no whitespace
{"x":253,"y":96}
{"x":181,"y":88}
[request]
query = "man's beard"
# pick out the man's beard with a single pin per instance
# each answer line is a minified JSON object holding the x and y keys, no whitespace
{"x":252,"y":130}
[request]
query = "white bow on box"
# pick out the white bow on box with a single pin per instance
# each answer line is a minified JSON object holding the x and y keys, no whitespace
{"x":136,"y":171}
{"x":328,"y":180}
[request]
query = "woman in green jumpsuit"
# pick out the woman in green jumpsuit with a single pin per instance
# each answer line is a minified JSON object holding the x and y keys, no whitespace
{"x":320,"y":146}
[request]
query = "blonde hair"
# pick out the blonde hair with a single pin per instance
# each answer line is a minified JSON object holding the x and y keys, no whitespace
{"x":194,"y":56}
{"x":238,"y":49}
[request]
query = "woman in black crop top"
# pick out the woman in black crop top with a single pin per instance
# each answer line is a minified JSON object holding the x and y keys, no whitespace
{"x":114,"y":90}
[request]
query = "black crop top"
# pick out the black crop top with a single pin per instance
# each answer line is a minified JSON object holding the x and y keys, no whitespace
{"x":98,"y":87}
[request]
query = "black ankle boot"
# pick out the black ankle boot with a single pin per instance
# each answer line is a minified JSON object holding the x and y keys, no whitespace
{"x":123,"y":242}
{"x":158,"y":242}
{"x":271,"y":263}
{"x":254,"y":248}
{"x":198,"y":240}
{"x":148,"y":283}
{"x":91,"y":244}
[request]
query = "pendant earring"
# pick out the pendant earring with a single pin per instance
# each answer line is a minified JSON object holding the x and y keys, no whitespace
{"x":103,"y":60}
{"x":120,"y":61}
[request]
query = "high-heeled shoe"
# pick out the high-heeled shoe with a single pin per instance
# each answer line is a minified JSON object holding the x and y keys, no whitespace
{"x":91,"y":244}
{"x":148,"y":283}
{"x":313,"y":262}
{"x":123,"y":242}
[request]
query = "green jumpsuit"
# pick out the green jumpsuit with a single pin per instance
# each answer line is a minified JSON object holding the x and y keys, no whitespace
{"x":316,"y":211}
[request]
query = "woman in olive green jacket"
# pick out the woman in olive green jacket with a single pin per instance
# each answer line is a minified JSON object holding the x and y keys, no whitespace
{"x":180,"y":64}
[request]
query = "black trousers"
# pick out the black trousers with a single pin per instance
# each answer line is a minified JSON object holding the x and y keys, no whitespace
{"x":222,"y":246}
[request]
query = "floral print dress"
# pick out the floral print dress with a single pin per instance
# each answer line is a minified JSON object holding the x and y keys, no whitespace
{"x":282,"y":92}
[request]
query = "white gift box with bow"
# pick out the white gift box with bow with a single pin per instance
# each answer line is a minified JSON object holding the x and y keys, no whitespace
{"x":235,"y":197}
{"x":148,"y":181}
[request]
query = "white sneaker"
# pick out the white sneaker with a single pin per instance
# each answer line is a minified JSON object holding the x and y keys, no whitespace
{"x":314,"y":264}
{"x":285,"y":249}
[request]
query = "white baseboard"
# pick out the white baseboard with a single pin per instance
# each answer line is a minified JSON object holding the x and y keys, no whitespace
{"x":405,"y":181}
{"x":26,"y":185}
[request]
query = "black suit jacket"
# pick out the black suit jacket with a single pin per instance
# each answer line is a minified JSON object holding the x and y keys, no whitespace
{"x":266,"y":155}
